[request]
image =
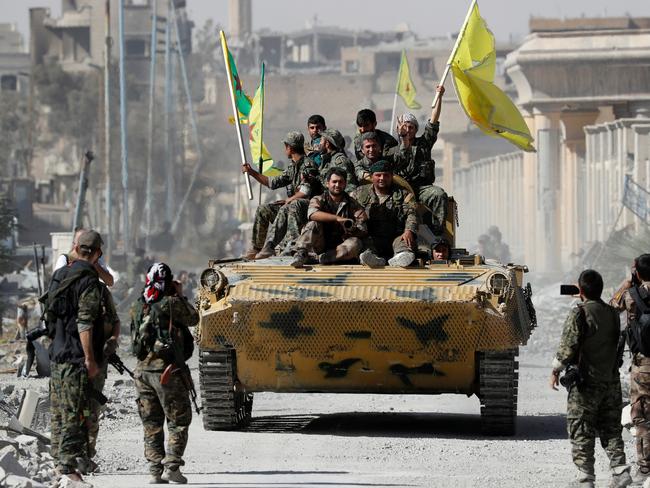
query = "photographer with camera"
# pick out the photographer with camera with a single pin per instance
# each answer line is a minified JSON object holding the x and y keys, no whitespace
{"x":633,"y":297}
{"x":589,"y":353}
{"x":337,"y":223}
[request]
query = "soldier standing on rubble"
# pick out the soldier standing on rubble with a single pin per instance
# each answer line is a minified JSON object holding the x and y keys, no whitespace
{"x":298,"y":193}
{"x":74,"y":318}
{"x":639,"y":286}
{"x":589,"y":350}
{"x":161,"y":316}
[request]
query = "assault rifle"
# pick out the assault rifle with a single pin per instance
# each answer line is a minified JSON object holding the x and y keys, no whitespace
{"x":115,"y":361}
{"x":178,"y":365}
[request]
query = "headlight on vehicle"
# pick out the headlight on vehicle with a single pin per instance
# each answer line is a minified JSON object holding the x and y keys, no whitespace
{"x":497,"y":283}
{"x":213,"y":280}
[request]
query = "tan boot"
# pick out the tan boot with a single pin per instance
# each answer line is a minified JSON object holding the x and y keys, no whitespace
{"x":267,"y":251}
{"x":250,"y":253}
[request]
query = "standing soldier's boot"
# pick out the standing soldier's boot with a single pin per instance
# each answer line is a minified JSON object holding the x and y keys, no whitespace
{"x":156,"y":471}
{"x":251,"y":252}
{"x":173,"y":474}
{"x":620,"y":477}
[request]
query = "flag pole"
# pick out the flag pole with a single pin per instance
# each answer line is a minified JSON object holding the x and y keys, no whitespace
{"x":235,"y":112}
{"x":392,"y":117}
{"x":461,"y":34}
{"x":261,"y":161}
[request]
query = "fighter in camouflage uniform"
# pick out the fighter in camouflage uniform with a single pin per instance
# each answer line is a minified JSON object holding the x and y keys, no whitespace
{"x":640,"y":368}
{"x":392,"y":221}
{"x":111,"y":323}
{"x":162,"y":301}
{"x":337,"y":223}
{"x":413,"y":162}
{"x":367,"y":122}
{"x":333,"y":151}
{"x":74,"y":320}
{"x":263,"y":245}
{"x":590,"y":340}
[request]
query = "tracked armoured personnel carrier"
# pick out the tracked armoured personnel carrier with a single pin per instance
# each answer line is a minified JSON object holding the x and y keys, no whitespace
{"x":435,"y":327}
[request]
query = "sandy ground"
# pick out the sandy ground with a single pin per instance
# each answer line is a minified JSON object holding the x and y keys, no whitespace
{"x":369,"y":441}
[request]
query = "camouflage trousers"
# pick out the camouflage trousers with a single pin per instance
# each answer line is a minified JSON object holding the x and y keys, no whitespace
{"x":387,"y":248}
{"x":264,"y":217}
{"x":640,"y":403}
{"x":157,"y":403}
{"x":313,"y":239}
{"x":435,"y":199}
{"x":69,"y":413}
{"x":95,"y":410}
{"x":593,"y":411}
{"x":288,"y":223}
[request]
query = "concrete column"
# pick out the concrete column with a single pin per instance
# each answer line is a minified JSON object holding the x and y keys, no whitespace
{"x":529,"y":202}
{"x":548,"y":192}
{"x":641,"y":159}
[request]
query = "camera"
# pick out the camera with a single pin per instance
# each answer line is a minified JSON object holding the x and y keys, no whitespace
{"x":569,"y":290}
{"x":571,"y":377}
{"x":348,"y":224}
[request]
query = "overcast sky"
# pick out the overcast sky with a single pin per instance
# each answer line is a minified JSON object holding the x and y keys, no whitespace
{"x":426,"y":17}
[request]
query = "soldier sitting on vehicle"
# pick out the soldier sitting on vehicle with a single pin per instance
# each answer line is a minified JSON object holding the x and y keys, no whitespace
{"x":262,"y":246}
{"x":336,"y":225}
{"x":367,"y":122}
{"x":371,"y":152}
{"x":315,"y":127}
{"x":333,"y":152}
{"x":392,"y":219}
{"x":413,"y":163}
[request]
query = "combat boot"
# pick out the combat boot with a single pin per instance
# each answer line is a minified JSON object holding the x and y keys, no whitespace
{"x":583,"y":480}
{"x":621,"y":480}
{"x":402,"y":259}
{"x":328,"y":257}
{"x":174,"y":475}
{"x":251,"y":252}
{"x":267,"y":251}
{"x":299,"y":259}
{"x":370,"y":259}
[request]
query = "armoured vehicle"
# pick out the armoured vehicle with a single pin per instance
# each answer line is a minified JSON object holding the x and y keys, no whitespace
{"x":435,"y":327}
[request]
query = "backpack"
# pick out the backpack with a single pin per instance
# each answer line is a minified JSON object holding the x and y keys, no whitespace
{"x":638,"y":332}
{"x":150,"y":333}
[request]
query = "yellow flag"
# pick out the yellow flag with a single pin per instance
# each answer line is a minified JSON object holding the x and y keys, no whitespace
{"x":255,"y":125}
{"x":405,"y":86}
{"x":473,"y":66}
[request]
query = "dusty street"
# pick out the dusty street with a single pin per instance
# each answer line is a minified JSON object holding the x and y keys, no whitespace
{"x":368,"y":440}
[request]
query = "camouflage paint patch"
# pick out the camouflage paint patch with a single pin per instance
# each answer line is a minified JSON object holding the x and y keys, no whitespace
{"x":300,"y":293}
{"x":288,"y":323}
{"x":425,"y":294}
{"x":338,"y":370}
{"x":339,"y":279}
{"x":403,"y":372}
{"x":431,"y":330}
{"x":358,"y":334}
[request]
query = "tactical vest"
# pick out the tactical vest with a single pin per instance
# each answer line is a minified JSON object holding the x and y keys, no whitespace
{"x":61,"y":309}
{"x":600,"y":332}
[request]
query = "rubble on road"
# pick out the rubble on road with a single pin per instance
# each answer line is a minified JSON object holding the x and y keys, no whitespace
{"x":25,"y":460}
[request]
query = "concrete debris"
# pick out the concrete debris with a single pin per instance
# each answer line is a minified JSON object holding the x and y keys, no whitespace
{"x":10,"y":464}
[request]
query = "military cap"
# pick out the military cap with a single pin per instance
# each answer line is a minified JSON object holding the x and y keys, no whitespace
{"x":90,"y":239}
{"x":438,"y":241}
{"x":335,"y":138}
{"x":381,"y":166}
{"x":294,"y":139}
